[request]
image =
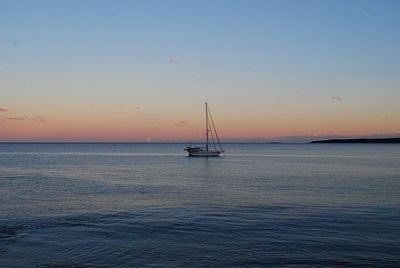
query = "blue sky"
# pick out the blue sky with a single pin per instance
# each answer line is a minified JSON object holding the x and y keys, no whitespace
{"x":271,"y":60}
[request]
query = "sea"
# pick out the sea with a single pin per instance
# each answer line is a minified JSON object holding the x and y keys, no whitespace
{"x":149,"y":205}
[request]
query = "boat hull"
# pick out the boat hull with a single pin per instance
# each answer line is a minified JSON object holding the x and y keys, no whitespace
{"x":201,"y":152}
{"x":204,"y":154}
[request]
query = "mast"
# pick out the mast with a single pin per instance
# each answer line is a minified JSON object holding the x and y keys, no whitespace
{"x":206,"y":127}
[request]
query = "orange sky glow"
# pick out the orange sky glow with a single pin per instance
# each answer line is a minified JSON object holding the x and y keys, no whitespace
{"x":129,"y":71}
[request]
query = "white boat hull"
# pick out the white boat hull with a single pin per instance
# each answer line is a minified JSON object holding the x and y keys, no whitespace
{"x":202,"y":152}
{"x":205,"y":153}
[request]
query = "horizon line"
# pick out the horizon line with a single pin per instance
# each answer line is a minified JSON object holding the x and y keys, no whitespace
{"x":142,"y":142}
{"x":260,"y":140}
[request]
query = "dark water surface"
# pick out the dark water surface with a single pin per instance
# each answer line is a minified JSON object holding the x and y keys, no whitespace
{"x":124,"y":205}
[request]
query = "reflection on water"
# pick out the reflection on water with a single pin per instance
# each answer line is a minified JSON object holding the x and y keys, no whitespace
{"x":149,"y":204}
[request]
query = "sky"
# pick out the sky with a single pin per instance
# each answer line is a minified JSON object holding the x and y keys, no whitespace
{"x":141,"y":71}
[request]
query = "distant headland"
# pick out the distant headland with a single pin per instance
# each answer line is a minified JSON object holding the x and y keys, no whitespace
{"x":380,"y":140}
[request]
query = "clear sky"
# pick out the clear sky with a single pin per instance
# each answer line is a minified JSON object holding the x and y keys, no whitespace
{"x":142,"y":70}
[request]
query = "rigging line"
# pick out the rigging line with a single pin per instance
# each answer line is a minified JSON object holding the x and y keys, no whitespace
{"x":215,"y":130}
{"x":210,"y":128}
{"x":212,"y":137}
{"x":216,"y":134}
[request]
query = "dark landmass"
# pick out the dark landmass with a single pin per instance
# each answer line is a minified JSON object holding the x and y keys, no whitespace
{"x":380,"y":140}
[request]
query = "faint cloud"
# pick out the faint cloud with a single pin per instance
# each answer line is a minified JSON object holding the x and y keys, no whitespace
{"x":337,"y":98}
{"x":20,"y":118}
{"x":23,"y":118}
{"x":138,"y":108}
{"x":17,"y":118}
{"x":181,"y":123}
{"x":38,"y":119}
{"x":172,"y":61}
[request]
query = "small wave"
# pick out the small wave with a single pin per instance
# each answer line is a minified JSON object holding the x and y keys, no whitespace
{"x":7,"y":232}
{"x":110,"y":154}
{"x":13,"y":177}
{"x":69,"y":265}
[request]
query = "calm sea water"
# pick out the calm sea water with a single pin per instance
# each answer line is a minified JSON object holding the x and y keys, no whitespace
{"x":123,"y":205}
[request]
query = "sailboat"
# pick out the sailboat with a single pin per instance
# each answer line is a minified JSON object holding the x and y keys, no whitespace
{"x":213,"y":148}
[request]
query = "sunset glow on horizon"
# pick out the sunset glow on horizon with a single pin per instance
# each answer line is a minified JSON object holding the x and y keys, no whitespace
{"x":141,"y":71}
